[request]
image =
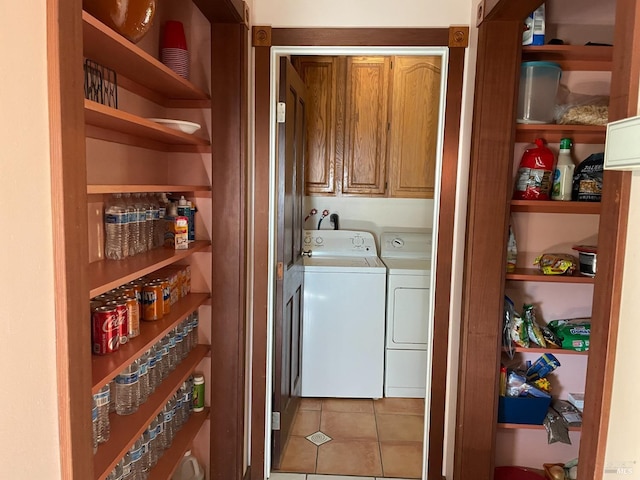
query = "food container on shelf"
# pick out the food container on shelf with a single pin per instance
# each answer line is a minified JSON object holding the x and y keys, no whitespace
{"x":587,"y":258}
{"x":537,"y":94}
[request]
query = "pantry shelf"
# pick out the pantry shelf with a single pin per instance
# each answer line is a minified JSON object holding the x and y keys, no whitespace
{"x":181,"y":443}
{"x":572,"y":57}
{"x":106,"y":47}
{"x":552,"y":133}
{"x":534,"y":275}
{"x":118,"y":188}
{"x":550,"y":206}
{"x":107,"y":274}
{"x":522,"y":426}
{"x":106,"y":123}
{"x":126,"y":429}
{"x":105,"y":367}
{"x":555,"y":351}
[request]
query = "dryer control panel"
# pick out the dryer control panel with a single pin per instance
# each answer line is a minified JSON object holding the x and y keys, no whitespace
{"x":339,"y":242}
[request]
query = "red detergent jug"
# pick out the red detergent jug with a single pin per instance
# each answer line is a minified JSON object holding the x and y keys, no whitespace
{"x":535,"y":174}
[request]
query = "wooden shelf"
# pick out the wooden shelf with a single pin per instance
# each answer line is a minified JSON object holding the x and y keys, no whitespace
{"x":552,"y":133}
{"x":107,"y":274}
{"x":572,"y":57}
{"x":534,"y":275}
{"x":110,"y":49}
{"x":550,"y":206}
{"x":523,"y":426}
{"x":119,"y":188}
{"x":125,"y":429}
{"x":170,"y":460}
{"x":106,"y":123}
{"x":555,"y":351}
{"x":105,"y":367}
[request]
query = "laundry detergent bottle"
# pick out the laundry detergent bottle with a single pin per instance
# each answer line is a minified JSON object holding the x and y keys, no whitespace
{"x":189,"y":468}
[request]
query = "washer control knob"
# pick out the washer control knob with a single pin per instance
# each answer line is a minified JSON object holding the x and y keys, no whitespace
{"x":319,"y":240}
{"x":397,"y":242}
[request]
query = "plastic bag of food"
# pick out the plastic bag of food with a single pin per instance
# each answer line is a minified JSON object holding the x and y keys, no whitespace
{"x":587,"y":179}
{"x":519,"y":334}
{"x":570,"y":414}
{"x":556,"y":263}
{"x":580,"y":109}
{"x":512,"y":251}
{"x":533,"y":329}
{"x":542,"y":367}
{"x":550,"y":338}
{"x":573,"y":334}
{"x":507,"y":340}
{"x":557,"y":430}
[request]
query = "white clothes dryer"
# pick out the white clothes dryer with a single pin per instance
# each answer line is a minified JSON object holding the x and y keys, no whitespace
{"x":343,"y":315}
{"x":408,"y":260}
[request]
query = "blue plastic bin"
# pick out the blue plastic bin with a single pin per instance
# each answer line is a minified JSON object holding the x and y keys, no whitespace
{"x":524,"y":410}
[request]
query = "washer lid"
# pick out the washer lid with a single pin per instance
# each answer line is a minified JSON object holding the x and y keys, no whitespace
{"x":407,"y":266}
{"x":344,"y":264}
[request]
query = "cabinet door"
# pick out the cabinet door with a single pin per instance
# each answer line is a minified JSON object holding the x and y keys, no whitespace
{"x":414,"y":126}
{"x":320,"y":75}
{"x":366,"y":126}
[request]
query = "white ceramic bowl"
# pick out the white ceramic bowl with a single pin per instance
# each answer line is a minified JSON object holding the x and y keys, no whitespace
{"x":181,"y":125}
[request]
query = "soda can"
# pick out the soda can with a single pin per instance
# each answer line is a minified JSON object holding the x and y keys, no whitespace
{"x":123,"y":319}
{"x":133,"y":313}
{"x":137,"y":289}
{"x":105,"y":330}
{"x":166,"y":294}
{"x":152,"y":305}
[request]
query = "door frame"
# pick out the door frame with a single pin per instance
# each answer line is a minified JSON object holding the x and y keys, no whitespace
{"x":269,"y":43}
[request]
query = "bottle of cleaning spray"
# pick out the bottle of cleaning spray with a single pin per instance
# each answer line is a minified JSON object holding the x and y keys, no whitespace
{"x":563,"y":174}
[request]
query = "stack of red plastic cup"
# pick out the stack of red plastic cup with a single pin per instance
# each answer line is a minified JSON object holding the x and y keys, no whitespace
{"x":173,"y":48}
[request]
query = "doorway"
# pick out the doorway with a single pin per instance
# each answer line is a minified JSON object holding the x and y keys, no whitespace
{"x":265,"y":59}
{"x":419,"y":214}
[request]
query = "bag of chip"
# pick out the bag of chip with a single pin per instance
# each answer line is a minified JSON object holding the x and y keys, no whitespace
{"x":519,"y":333}
{"x":533,"y":329}
{"x":556,"y":263}
{"x":573,"y":334}
{"x":587,"y":179}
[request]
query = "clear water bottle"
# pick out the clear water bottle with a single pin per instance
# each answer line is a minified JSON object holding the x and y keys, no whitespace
{"x":176,"y":414}
{"x":134,"y":227}
{"x":116,"y":229}
{"x":141,"y":215}
{"x":167,"y":413}
{"x":127,"y":467}
{"x":102,"y":400}
{"x":146,"y":453}
{"x":94,"y":425}
{"x":163,"y":209}
{"x":112,"y":396}
{"x":161,"y":437}
{"x":157,"y":350}
{"x":165,"y":356}
{"x":152,"y":431}
{"x":179,"y":411}
{"x":143,"y":378}
{"x":173,"y":356}
{"x":127,"y":390}
{"x":153,"y":381}
{"x":179,"y":344}
{"x":153,"y":225}
{"x":186,"y":337}
{"x":135,"y":460}
{"x":188,"y":395}
{"x":195,"y":320}
{"x":116,"y":473}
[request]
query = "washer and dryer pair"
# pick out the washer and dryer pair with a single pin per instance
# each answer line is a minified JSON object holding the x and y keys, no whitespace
{"x":350,"y":299}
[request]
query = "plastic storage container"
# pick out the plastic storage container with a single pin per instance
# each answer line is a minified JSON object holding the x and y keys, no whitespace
{"x":523,"y":410}
{"x":538,"y":88}
{"x":189,"y":469}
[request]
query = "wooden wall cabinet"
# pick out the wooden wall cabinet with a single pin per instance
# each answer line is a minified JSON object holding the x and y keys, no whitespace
{"x":372,"y":125}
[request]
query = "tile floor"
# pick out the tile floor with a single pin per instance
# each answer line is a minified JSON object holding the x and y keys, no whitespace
{"x":371,"y":439}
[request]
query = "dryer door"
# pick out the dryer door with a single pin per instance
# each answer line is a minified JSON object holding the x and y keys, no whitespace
{"x":407,"y":311}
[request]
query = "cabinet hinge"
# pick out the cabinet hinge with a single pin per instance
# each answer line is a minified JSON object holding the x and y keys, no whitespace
{"x":281,"y":112}
{"x":275,"y":420}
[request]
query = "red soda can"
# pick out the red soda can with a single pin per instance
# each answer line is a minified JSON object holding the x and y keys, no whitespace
{"x":122,"y":312}
{"x":105,"y":330}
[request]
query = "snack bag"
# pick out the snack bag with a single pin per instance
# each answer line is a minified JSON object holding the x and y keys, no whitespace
{"x":573,"y":334}
{"x":519,"y":333}
{"x":587,"y":179}
{"x":556,"y":263}
{"x":533,"y":329}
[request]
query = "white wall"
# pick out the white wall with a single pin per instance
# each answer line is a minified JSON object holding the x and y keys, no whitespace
{"x":355,"y":213}
{"x":28,"y":405}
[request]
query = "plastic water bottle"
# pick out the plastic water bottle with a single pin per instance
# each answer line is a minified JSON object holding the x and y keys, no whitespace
{"x":152,"y":431}
{"x":141,"y":215}
{"x":146,"y":445}
{"x":179,"y":344}
{"x":195,"y":320}
{"x":163,"y":203}
{"x":135,"y":460}
{"x":102,"y":400}
{"x":173,"y":359}
{"x":127,"y":390}
{"x":153,"y":216}
{"x":116,"y":228}
{"x":116,"y":473}
{"x":165,"y":356}
{"x":127,"y":467}
{"x":112,"y":396}
{"x":167,"y":413}
{"x":161,"y":438}
{"x":143,"y":378}
{"x":153,"y":381}
{"x":94,"y":425}
{"x":134,"y":228}
{"x":189,"y":394}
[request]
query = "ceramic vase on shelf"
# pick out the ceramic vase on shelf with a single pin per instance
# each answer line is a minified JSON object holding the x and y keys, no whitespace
{"x":132,"y":18}
{"x":173,"y":48}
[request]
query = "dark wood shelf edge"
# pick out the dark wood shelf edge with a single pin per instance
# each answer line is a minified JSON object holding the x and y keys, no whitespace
{"x":106,"y":367}
{"x":525,"y":426}
{"x":555,"y":351}
{"x":125,"y":430}
{"x":534,"y":275}
{"x":170,"y":460}
{"x":550,"y":206}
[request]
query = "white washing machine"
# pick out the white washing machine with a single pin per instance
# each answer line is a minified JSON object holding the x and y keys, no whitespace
{"x":343,"y":316}
{"x":408,"y":260}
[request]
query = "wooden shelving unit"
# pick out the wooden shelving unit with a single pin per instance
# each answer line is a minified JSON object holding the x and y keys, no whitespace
{"x":114,"y":188}
{"x":112,"y":50}
{"x":105,"y":368}
{"x":550,"y":206}
{"x":125,"y":430}
{"x":572,"y":57}
{"x":555,"y":351}
{"x":122,"y":127}
{"x":534,"y":275}
{"x":168,"y":463}
{"x":107,"y":274}
{"x":552,"y":133}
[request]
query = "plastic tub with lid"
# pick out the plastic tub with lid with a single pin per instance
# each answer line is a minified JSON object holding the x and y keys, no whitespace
{"x":538,"y":88}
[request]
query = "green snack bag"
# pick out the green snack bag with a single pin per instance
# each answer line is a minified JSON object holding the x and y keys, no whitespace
{"x":532,"y":327}
{"x":573,"y":333}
